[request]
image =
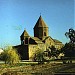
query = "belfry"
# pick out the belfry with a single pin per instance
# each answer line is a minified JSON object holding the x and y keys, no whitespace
{"x":40,"y":29}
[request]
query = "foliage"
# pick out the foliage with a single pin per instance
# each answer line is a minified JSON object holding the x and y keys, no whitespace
{"x":54,"y":51}
{"x":71,"y":35}
{"x":69,"y":50}
{"x":10,"y":56}
{"x":51,"y":53}
{"x":38,"y":55}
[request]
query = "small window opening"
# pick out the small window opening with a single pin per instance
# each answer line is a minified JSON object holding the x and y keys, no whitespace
{"x":44,"y":33}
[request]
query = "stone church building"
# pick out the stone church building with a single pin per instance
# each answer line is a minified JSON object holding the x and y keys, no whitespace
{"x":41,"y":40}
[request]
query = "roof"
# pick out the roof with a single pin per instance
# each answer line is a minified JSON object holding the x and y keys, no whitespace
{"x":47,"y":38}
{"x":25,"y":33}
{"x":37,"y":40}
{"x":57,"y":41}
{"x":40,"y":23}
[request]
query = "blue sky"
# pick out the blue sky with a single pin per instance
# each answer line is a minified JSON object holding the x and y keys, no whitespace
{"x":17,"y":15}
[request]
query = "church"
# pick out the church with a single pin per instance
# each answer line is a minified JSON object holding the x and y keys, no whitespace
{"x":41,"y":41}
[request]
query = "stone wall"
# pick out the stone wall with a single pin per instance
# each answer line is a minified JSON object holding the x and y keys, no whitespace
{"x":34,"y":48}
{"x":49,"y":42}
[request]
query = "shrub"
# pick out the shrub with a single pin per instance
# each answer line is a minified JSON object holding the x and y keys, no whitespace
{"x":10,"y":56}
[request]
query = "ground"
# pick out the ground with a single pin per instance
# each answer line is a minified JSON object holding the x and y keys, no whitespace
{"x":32,"y":68}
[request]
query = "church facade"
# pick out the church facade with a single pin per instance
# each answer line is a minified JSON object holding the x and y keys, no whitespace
{"x":41,"y":40}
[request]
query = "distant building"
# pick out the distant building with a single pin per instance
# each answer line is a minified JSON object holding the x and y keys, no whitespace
{"x":40,"y":40}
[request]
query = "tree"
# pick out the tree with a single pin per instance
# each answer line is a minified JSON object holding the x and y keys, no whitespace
{"x":71,"y":44}
{"x":10,"y":56}
{"x":54,"y":52}
{"x":38,"y":56}
{"x":69,"y":51}
{"x":71,"y":35}
{"x":69,"y":48}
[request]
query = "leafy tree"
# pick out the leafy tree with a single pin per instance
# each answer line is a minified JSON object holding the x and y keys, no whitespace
{"x":51,"y":53}
{"x":71,"y":35}
{"x":54,"y":52}
{"x":69,"y":51}
{"x":10,"y":56}
{"x":38,"y":56}
{"x":69,"y":48}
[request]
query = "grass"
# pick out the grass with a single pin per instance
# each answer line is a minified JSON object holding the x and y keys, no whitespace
{"x":33,"y":67}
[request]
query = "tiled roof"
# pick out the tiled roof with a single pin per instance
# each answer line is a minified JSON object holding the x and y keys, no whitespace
{"x":40,"y":23}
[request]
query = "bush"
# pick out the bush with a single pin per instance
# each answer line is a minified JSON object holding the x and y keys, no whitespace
{"x":38,"y":56}
{"x":10,"y":56}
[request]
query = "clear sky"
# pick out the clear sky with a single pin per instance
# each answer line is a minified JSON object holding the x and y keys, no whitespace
{"x":17,"y":15}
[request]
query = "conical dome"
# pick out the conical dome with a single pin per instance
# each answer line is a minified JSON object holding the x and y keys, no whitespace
{"x":25,"y":34}
{"x":40,"y":29}
{"x":40,"y":23}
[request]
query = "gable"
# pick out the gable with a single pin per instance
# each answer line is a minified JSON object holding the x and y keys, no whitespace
{"x":35,"y":40}
{"x":31,"y":41}
{"x":48,"y":41}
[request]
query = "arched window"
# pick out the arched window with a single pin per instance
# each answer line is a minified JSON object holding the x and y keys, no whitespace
{"x":44,"y":33}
